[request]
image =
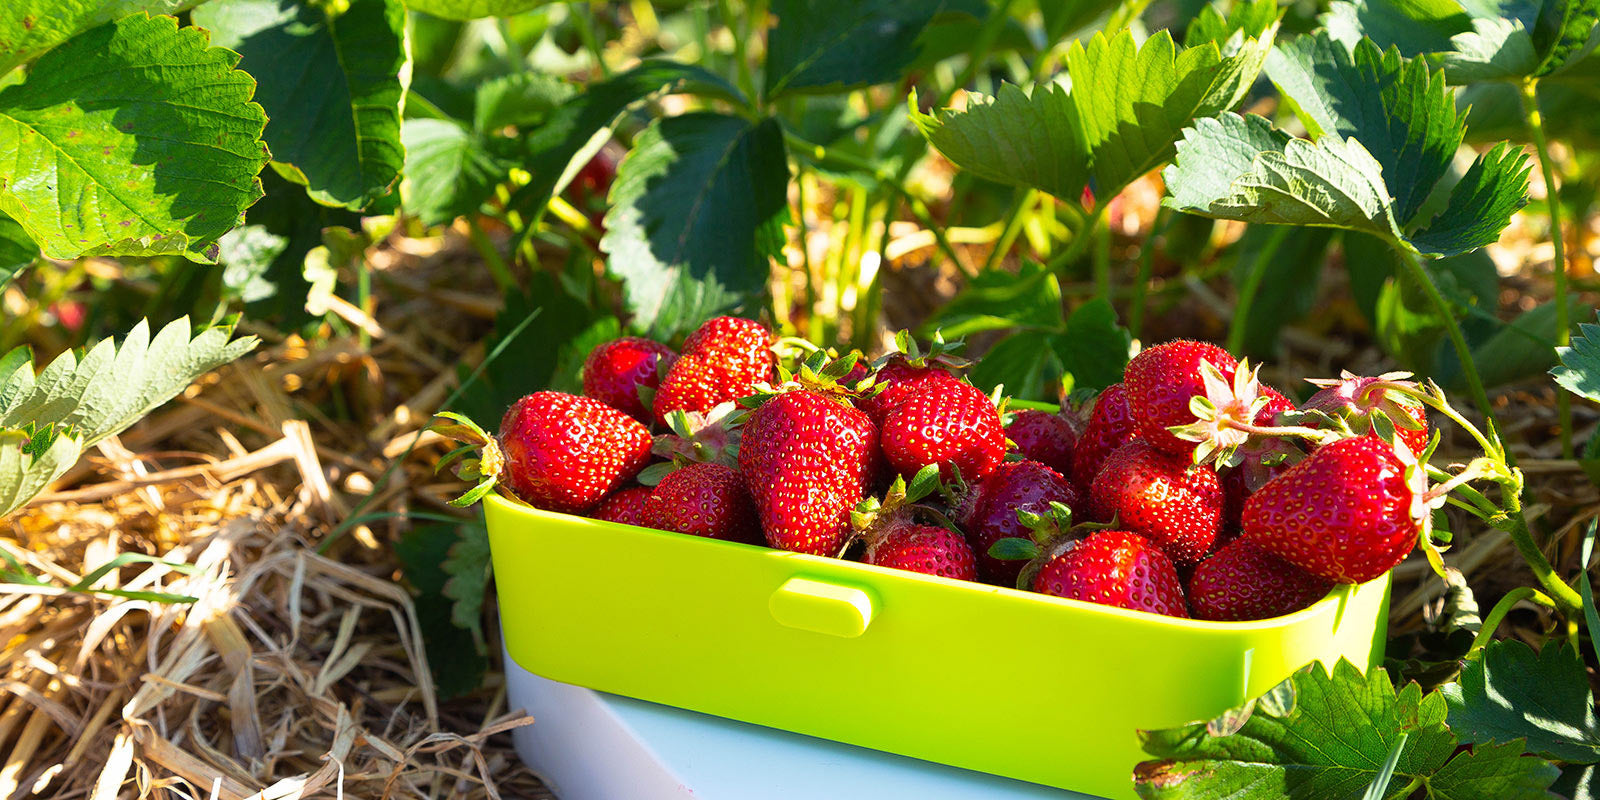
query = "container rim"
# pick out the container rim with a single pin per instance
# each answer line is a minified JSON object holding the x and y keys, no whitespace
{"x":1335,"y":598}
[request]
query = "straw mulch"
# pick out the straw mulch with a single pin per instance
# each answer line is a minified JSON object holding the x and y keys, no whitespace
{"x":291,"y":674}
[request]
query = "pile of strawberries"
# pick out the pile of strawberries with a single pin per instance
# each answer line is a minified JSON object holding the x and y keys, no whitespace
{"x":1188,"y":489}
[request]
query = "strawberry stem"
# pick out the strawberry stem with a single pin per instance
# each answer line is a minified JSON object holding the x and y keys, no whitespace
{"x":1491,"y":621}
{"x":1285,"y":431}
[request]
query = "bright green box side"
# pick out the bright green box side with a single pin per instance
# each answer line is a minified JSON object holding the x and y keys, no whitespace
{"x":996,"y":680}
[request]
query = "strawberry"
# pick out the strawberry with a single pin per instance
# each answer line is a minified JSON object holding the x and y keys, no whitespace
{"x":900,"y":381}
{"x":564,"y":452}
{"x":723,"y":360}
{"x":614,"y":372}
{"x":1115,"y":568}
{"x":1044,"y":437}
{"x":1242,"y":581}
{"x":1251,"y":474}
{"x":928,"y":549}
{"x":1359,"y":400}
{"x":990,"y":514}
{"x":704,"y":500}
{"x":1346,"y":513}
{"x":807,"y":459}
{"x":951,"y":424}
{"x":625,"y":506}
{"x":1161,"y":496}
{"x":1162,"y":380}
{"x":1110,"y":426}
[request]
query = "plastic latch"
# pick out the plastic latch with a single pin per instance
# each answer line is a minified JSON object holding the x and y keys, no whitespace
{"x":819,"y":607}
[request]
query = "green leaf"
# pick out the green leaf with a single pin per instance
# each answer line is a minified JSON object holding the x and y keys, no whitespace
{"x":468,"y":566}
{"x":1518,"y":350}
{"x":247,"y":253}
{"x":332,"y":87}
{"x":1507,"y":691}
{"x":111,"y":387}
{"x":1331,"y":742}
{"x":1579,"y":372}
{"x":1475,"y":41}
{"x":24,"y":474}
{"x":1094,"y":348}
{"x":1210,"y":25}
{"x":1494,"y":188}
{"x":473,"y":9}
{"x":453,"y":657}
{"x":17,"y":250}
{"x":30,"y":27}
{"x":1023,"y":363}
{"x":131,"y":138}
{"x":450,"y":171}
{"x":697,"y":211}
{"x":576,"y":129}
{"x":843,"y":44}
{"x":1029,"y":299}
{"x":1403,"y":115}
{"x":1127,"y":108}
{"x":279,"y":291}
{"x":522,"y":99}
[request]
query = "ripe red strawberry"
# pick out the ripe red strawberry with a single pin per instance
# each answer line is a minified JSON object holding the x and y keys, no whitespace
{"x":1357,"y":399}
{"x":900,"y":381}
{"x":1110,"y":426}
{"x":704,"y":500}
{"x":721,"y":361}
{"x":1044,"y":437}
{"x":807,"y":459}
{"x":1162,"y":380}
{"x":1242,"y":581}
{"x":951,"y":424}
{"x":564,"y":452}
{"x":1344,"y":513}
{"x":625,"y":506}
{"x":614,"y":371}
{"x":990,"y":514}
{"x":1277,"y":403}
{"x":1160,"y":496}
{"x":928,"y":549}
{"x":1115,"y":568}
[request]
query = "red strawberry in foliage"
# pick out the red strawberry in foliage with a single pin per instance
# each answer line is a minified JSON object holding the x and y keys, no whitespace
{"x":951,"y":424}
{"x":1110,"y":426}
{"x":704,"y":500}
{"x":564,"y":452}
{"x":928,"y":549}
{"x":1115,"y":568}
{"x":1358,"y":400}
{"x":625,"y":506}
{"x":722,"y":361}
{"x":1044,"y":437}
{"x":1161,"y":496}
{"x":807,"y":458}
{"x":1162,"y":380}
{"x":1345,"y":513}
{"x":1242,"y":581}
{"x":990,"y":513}
{"x":614,"y":371}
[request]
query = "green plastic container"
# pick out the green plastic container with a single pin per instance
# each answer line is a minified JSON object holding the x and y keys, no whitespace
{"x":1012,"y":683}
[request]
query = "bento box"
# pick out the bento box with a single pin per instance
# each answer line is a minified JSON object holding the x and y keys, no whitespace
{"x":1012,"y":683}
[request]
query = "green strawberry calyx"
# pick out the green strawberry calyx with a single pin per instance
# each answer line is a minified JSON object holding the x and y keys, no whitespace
{"x":478,"y":460}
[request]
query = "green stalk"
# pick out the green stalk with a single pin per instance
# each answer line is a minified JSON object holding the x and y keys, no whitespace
{"x":1458,"y":340}
{"x":591,"y":38}
{"x":364,"y":299}
{"x":1252,"y":287}
{"x":741,"y":57}
{"x":1535,"y":121}
{"x":1492,"y":620}
{"x":805,"y":252}
{"x":491,"y":257}
{"x":1147,"y":256}
{"x":1565,"y":597}
{"x":1080,"y":239}
{"x":1102,"y":257}
{"x":1012,"y":228}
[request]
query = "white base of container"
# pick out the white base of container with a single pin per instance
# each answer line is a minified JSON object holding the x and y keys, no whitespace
{"x":588,"y":745}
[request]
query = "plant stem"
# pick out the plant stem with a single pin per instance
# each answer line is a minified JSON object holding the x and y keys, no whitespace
{"x":1080,"y":241}
{"x":1469,"y":368}
{"x":805,"y":251}
{"x":491,"y":257}
{"x":1491,"y":621}
{"x":741,"y":59}
{"x":1564,"y":596}
{"x":591,"y":38}
{"x":1141,"y":285}
{"x":1535,"y":121}
{"x":920,"y":210}
{"x":1252,"y":286}
{"x":1013,"y":227}
{"x":1102,"y":257}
